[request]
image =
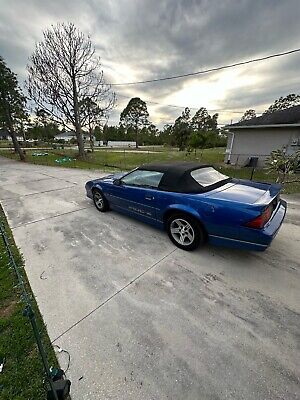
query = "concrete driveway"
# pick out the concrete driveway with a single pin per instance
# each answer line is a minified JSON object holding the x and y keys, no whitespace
{"x":143,"y":319}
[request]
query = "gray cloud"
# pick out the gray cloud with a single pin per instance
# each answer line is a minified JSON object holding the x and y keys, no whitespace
{"x":153,"y":39}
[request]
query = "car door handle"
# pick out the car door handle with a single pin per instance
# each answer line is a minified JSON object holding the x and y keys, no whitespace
{"x":149,"y":198}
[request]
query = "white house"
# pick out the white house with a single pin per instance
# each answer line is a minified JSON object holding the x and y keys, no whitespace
{"x":258,"y":137}
{"x":66,"y":136}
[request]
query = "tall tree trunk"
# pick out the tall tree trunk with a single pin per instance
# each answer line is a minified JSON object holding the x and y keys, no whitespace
{"x":136,"y":136}
{"x":14,"y":136}
{"x":79,"y":139}
{"x":16,"y":144}
{"x":91,"y":139}
{"x":77,"y":123}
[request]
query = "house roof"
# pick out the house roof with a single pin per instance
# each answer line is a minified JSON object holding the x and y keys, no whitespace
{"x":283,"y":118}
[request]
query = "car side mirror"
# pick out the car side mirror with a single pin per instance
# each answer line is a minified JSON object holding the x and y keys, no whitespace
{"x":117,"y":182}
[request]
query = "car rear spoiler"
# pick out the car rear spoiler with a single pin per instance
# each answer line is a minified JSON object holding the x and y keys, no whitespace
{"x":269,"y":196}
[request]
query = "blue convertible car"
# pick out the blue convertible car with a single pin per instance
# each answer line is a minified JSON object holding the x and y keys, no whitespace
{"x":194,"y":203}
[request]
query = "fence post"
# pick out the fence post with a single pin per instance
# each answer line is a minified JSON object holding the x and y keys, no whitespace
{"x":28,"y":312}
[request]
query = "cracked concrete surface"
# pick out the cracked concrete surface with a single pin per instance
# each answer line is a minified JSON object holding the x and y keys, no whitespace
{"x":144,"y":320}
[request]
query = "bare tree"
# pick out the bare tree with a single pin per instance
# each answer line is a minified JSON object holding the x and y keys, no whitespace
{"x":63,"y":72}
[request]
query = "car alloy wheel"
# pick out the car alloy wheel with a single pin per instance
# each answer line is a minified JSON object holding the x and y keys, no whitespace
{"x":100,"y":201}
{"x":185,"y":231}
{"x":182,"y":232}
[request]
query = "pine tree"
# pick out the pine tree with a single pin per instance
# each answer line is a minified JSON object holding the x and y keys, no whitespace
{"x":12,"y":105}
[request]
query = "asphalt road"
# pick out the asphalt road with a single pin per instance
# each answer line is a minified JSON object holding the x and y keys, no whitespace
{"x":142,"y":319}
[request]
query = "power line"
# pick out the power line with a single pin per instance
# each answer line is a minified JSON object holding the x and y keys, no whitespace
{"x":191,"y":108}
{"x":159,"y":104}
{"x":209,"y":70}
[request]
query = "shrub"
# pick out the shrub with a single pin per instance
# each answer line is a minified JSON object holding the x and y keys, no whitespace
{"x":283,"y":164}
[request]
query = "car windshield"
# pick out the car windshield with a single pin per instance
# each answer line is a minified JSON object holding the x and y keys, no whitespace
{"x":208,"y":176}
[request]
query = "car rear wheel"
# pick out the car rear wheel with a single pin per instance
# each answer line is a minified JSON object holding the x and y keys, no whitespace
{"x":100,"y":201}
{"x":185,"y":231}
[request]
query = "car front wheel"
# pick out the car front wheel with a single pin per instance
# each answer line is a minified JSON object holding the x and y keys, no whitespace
{"x":185,"y":231}
{"x":100,"y":201}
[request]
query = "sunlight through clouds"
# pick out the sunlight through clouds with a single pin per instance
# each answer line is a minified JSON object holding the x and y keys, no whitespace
{"x":141,"y":40}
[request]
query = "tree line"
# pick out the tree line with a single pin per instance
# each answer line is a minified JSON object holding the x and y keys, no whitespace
{"x":199,"y":130}
{"x":66,"y":90}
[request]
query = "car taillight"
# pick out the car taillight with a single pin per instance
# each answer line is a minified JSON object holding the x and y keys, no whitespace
{"x":260,"y":221}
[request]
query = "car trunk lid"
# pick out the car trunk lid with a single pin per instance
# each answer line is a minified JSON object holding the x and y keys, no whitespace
{"x":247,"y":192}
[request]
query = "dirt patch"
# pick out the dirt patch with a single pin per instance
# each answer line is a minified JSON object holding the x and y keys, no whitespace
{"x":8,"y":310}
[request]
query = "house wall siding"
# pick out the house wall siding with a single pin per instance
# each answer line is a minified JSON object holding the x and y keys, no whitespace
{"x":260,"y":142}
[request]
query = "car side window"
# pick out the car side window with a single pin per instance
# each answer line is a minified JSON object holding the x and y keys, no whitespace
{"x":143,"y":178}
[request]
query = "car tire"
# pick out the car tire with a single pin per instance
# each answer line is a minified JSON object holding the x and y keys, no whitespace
{"x":185,"y":231}
{"x":100,"y":201}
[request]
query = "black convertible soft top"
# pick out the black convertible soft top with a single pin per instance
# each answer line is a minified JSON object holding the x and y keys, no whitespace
{"x":177,"y":176}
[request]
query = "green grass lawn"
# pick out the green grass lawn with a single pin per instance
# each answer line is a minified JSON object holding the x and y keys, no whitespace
{"x":6,"y":143}
{"x":118,"y":159}
{"x":23,"y":374}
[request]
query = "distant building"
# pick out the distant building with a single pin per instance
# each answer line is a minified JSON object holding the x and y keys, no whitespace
{"x":117,"y":143}
{"x":258,"y":137}
{"x":86,"y":137}
{"x":66,"y":136}
{"x":5,"y":135}
{"x":31,"y":140}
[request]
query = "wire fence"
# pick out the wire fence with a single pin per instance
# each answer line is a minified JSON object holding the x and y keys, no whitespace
{"x":119,"y":159}
{"x":128,"y":158}
{"x":28,"y":310}
{"x":242,"y":159}
{"x":109,"y":159}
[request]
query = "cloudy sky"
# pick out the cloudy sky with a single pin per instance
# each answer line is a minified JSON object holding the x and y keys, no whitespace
{"x":149,"y":39}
